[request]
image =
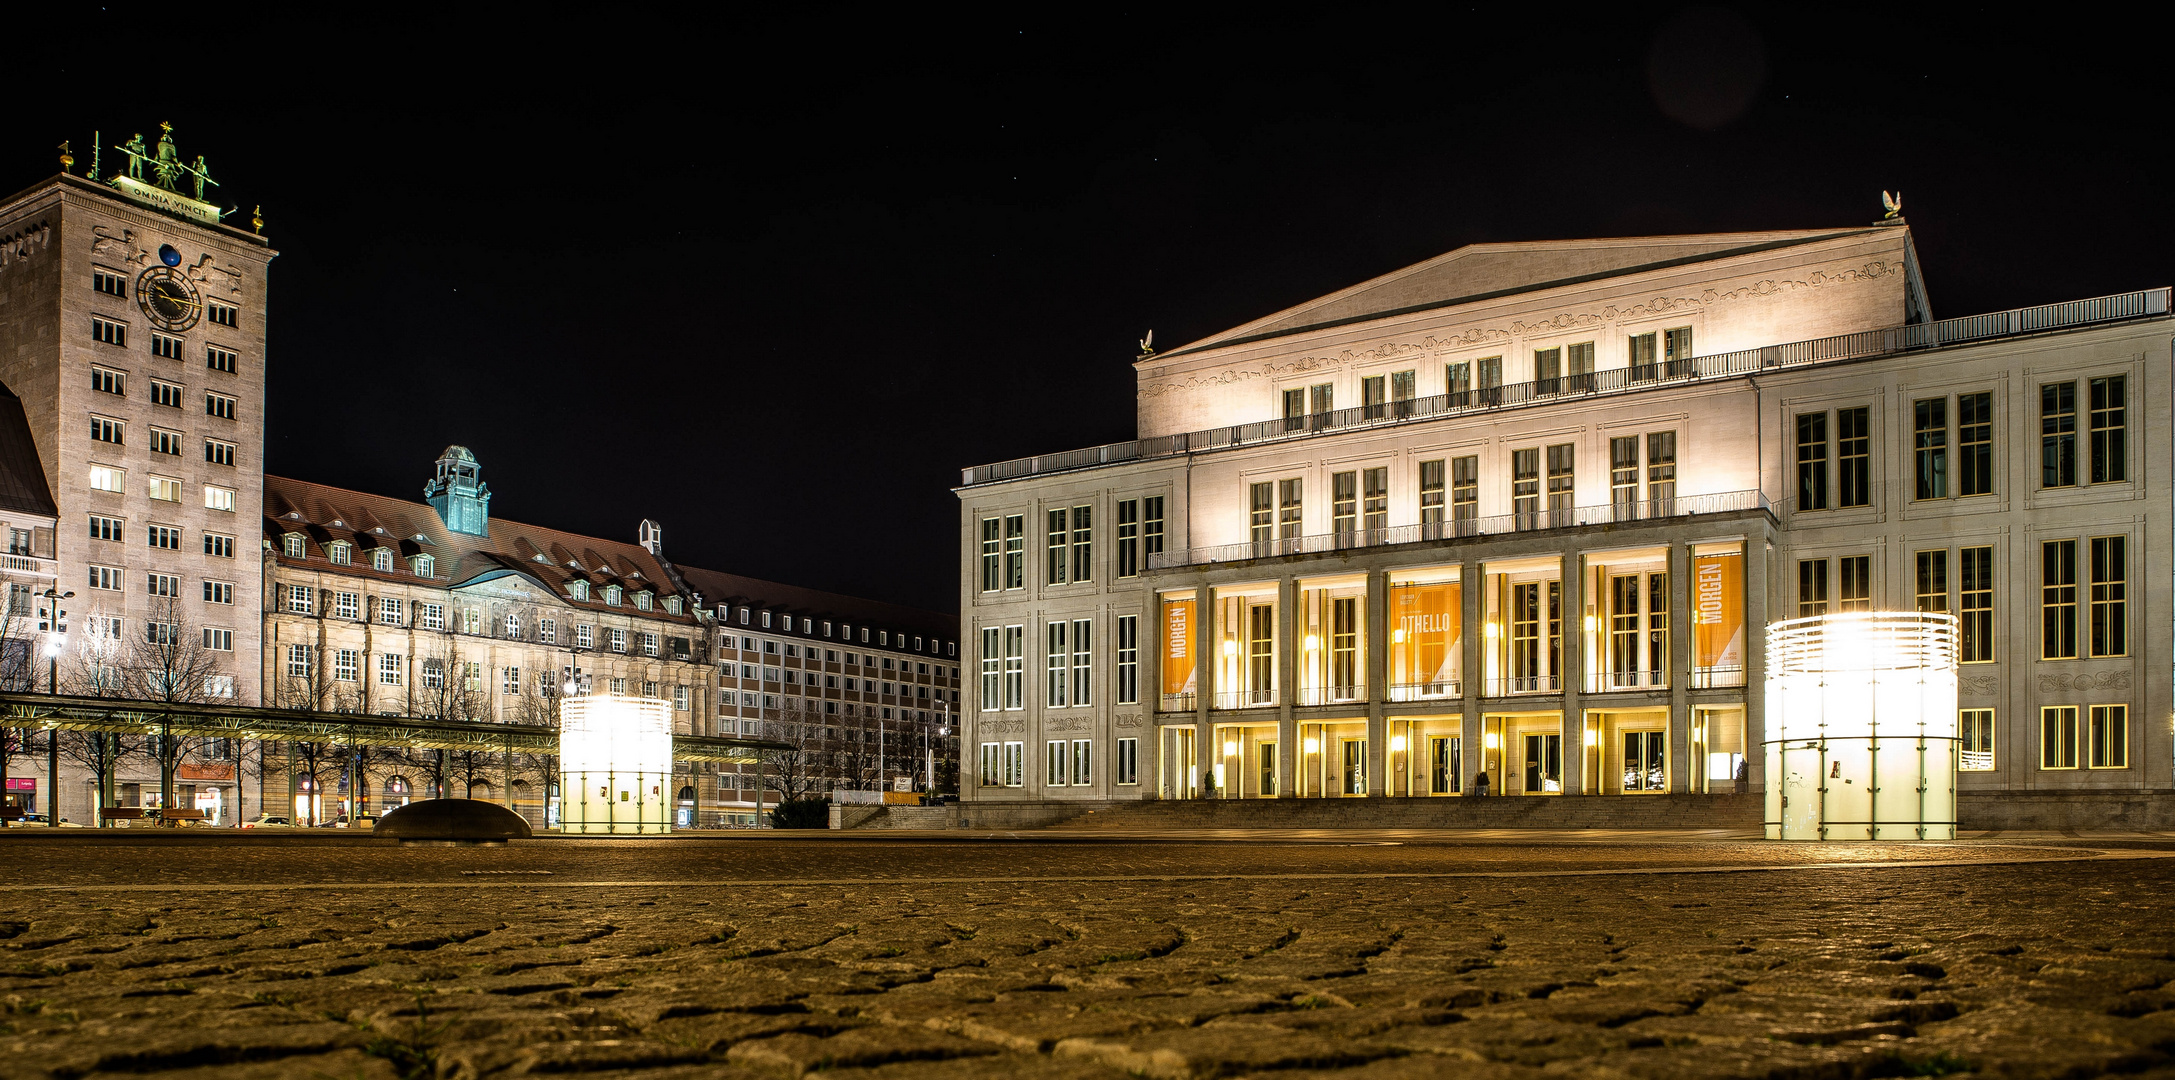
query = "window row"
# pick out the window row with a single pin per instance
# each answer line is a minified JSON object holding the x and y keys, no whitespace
{"x":887,"y":638}
{"x":115,"y":283}
{"x":1067,"y":763}
{"x":161,"y":488}
{"x":2099,"y":741}
{"x":162,"y":441}
{"x":2103,"y":622}
{"x":1069,"y":544}
{"x":340,"y":552}
{"x":1555,"y":369}
{"x":1952,"y":445}
{"x":108,"y":380}
{"x":1068,"y":664}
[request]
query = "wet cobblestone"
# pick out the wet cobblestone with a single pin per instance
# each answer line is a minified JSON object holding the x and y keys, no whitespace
{"x":2042,"y":970}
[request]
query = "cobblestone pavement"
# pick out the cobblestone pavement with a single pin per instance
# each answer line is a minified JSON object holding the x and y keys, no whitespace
{"x":966,"y":960}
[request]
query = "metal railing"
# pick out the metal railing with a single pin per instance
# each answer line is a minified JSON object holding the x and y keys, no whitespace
{"x":1246,"y":699}
{"x":1615,"y":682}
{"x":1522,"y":684}
{"x":1858,"y":346}
{"x":1176,"y":703}
{"x":1439,"y":690}
{"x":1355,"y":694}
{"x":1498,"y":525}
{"x":1715,"y":678}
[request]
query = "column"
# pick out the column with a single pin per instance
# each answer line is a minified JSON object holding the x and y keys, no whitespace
{"x":1289,"y":641}
{"x":1759,"y":549}
{"x":1573,"y":675}
{"x":1680,"y":667}
{"x":1471,"y":643}
{"x":1378,"y":629}
{"x":1205,"y":660}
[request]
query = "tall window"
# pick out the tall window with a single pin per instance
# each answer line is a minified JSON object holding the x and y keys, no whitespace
{"x":1015,"y":667}
{"x":1433,"y":488}
{"x":1661,"y":471}
{"x":1975,"y":604}
{"x":1015,"y":551}
{"x":1083,"y":661}
{"x":1288,"y":521}
{"x":1375,"y":511}
{"x":1261,"y":510}
{"x":1812,"y":587}
{"x":1854,"y":457}
{"x":1548,"y":370}
{"x":992,"y":554}
{"x":2110,"y":596}
{"x":1525,"y":486}
{"x":1974,"y":444}
{"x":1854,"y":576}
{"x":1058,"y":662}
{"x":1374,"y":396}
{"x":2110,"y":736}
{"x":1404,"y":386}
{"x":1580,"y":358}
{"x":1151,"y":529}
{"x":1295,"y":408}
{"x":1128,"y":659}
{"x":2058,"y":435}
{"x":2058,"y":600}
{"x":2110,"y":460}
{"x":1457,"y":381}
{"x":1677,"y":351}
{"x":1624,"y":476}
{"x":2058,"y":737}
{"x":1323,"y":398}
{"x":1975,"y":739}
{"x":1055,"y":563}
{"x":1083,"y":543}
{"x":1125,"y":764}
{"x":1260,"y":653}
{"x":1929,"y":441}
{"x":1491,"y":379}
{"x":1344,"y":648}
{"x":1562,"y":483}
{"x":992,"y":668}
{"x":1933,"y":581}
{"x":1344,"y":506}
{"x":1465,"y":488}
{"x":1641,"y":349}
{"x":1812,"y":461}
{"x":1129,"y":538}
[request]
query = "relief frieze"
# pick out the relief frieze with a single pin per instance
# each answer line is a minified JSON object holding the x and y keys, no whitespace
{"x":2090,"y":680}
{"x":1569,"y":321}
{"x":1065,"y":723}
{"x":1126,"y":720}
{"x":1002,"y":727}
{"x":1977,"y":684}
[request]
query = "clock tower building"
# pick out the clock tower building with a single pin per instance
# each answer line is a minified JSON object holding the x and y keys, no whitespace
{"x":132,"y":326}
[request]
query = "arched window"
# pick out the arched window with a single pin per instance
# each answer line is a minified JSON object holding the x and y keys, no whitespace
{"x":611,"y":595}
{"x":641,"y":601}
{"x":381,"y":559}
{"x":340,"y":552}
{"x":578,"y":589}
{"x":426,"y":566}
{"x":296,"y":548}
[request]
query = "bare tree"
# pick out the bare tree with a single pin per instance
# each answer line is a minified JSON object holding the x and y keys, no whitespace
{"x":452,"y":686}
{"x":854,"y":753}
{"x":790,"y":770}
{"x":101,"y":753}
{"x":169,"y":663}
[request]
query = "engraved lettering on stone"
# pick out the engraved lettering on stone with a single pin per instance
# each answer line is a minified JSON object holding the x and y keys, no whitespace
{"x":1065,"y":723}
{"x":1126,"y":720}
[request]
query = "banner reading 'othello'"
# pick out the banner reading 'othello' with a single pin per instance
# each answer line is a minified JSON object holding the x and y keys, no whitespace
{"x":1718,"y":610}
{"x":1424,"y":636}
{"x":1178,"y":667}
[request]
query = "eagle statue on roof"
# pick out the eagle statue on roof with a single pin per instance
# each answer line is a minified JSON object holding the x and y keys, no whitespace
{"x":1891,"y":203}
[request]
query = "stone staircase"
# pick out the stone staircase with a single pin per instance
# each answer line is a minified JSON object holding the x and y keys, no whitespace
{"x":1665,"y":811}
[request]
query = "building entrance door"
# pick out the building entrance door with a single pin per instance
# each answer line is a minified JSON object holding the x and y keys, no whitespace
{"x":1179,"y":780}
{"x":1544,"y":764}
{"x":1445,"y":765}
{"x":1645,"y":753}
{"x":1354,"y":772}
{"x":1267,"y":771}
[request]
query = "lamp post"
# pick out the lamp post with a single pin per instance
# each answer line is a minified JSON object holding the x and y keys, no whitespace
{"x":56,"y":640}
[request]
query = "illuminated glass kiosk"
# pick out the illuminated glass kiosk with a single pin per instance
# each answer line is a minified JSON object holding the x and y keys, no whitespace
{"x":615,"y":764}
{"x":1862,"y":710}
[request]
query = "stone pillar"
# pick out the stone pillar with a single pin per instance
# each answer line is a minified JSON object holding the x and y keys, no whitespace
{"x":1472,"y":639}
{"x":1573,"y":674}
{"x":1680,"y":668}
{"x":1759,"y":551}
{"x":1206,"y":658}
{"x":1289,"y":639}
{"x":1378,"y":740}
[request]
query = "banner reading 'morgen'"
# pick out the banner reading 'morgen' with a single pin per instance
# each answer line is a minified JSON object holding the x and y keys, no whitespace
{"x":1718,"y":610}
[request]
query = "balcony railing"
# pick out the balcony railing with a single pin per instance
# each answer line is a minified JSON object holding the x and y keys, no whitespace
{"x":1333,"y":695}
{"x":1176,"y":703}
{"x":1522,"y":684}
{"x":1246,"y":699}
{"x":1500,"y":524}
{"x":1862,"y":345}
{"x":28,"y":564}
{"x":1616,"y":682}
{"x":1440,"y":690}
{"x":1716,"y":678}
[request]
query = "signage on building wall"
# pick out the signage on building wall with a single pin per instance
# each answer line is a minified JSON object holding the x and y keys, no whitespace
{"x":18,"y":783}
{"x":1718,"y":610}
{"x":174,"y":201}
{"x":1424,"y":635}
{"x":1179,"y":672}
{"x":206,"y":772}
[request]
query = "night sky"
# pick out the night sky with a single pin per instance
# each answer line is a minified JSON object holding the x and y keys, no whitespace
{"x":774,"y":283}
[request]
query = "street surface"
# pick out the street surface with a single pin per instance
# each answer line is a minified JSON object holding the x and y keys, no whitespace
{"x":1348,"y":954}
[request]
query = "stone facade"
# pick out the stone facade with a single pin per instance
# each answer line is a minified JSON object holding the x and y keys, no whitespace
{"x":1586,"y":475}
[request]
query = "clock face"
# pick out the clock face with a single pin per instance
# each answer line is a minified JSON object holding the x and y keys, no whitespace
{"x":168,"y":299}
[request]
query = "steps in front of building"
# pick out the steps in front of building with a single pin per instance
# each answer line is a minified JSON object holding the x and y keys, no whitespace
{"x":1730,"y":811}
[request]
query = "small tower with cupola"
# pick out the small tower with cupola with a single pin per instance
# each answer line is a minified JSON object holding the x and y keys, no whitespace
{"x":458,"y":493}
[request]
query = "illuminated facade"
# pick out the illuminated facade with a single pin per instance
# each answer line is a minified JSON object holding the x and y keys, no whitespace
{"x":1514,"y":518}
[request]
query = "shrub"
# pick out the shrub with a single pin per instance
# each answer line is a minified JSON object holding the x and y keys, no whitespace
{"x":802,"y":814}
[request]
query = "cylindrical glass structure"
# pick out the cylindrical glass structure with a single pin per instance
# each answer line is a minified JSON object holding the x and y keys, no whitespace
{"x":615,"y":764}
{"x":1861,"y":727}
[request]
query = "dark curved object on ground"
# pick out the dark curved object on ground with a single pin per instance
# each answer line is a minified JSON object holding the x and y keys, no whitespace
{"x":452,"y":821}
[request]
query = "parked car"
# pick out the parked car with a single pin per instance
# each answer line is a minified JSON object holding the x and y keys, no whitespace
{"x":268,"y":821}
{"x":41,"y":821}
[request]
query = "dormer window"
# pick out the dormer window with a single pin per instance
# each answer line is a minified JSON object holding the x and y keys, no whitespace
{"x":295,"y":546}
{"x":641,"y":601}
{"x":672,"y":605}
{"x":766,"y":620}
{"x":611,"y":595}
{"x":381,"y":559}
{"x":743,"y":616}
{"x":578,"y":589}
{"x":340,"y":552}
{"x":426,"y":566}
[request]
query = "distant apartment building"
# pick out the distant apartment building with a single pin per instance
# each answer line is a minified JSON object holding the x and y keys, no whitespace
{"x":1513,"y":520}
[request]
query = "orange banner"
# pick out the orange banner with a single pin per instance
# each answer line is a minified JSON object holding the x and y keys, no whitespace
{"x":1718,"y":611}
{"x":1424,"y":636}
{"x":1179,"y":673}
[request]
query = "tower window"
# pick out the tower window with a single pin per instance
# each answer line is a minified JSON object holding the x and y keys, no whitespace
{"x":219,"y":359}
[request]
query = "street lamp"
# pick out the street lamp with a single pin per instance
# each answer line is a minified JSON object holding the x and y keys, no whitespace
{"x":56,"y":636}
